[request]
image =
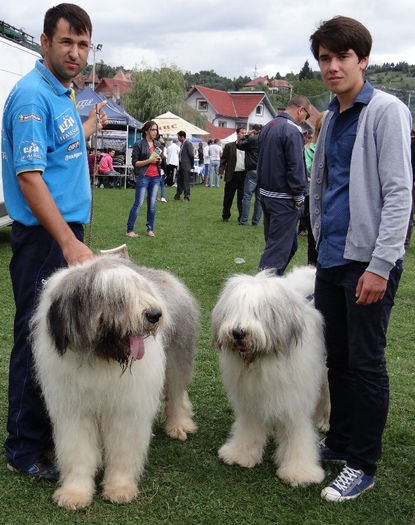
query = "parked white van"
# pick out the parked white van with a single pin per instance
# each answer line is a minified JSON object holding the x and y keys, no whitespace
{"x":16,"y":59}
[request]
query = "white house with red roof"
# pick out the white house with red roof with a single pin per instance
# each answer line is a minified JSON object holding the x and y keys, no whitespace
{"x":228,"y":110}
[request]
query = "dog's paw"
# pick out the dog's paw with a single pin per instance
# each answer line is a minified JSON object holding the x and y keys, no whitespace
{"x":301,"y":476}
{"x":247,"y":458}
{"x":72,"y":499}
{"x":323,"y":424}
{"x":180,"y":429}
{"x":120,"y":493}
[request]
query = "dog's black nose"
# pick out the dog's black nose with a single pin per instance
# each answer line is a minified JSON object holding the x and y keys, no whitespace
{"x":153,"y":316}
{"x":238,"y":333}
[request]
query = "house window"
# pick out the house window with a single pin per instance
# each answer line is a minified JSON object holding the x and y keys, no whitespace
{"x":221,"y":124}
{"x":202,"y":105}
{"x":259,"y":110}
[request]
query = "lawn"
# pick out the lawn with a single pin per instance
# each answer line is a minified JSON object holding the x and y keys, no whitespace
{"x":184,"y":483}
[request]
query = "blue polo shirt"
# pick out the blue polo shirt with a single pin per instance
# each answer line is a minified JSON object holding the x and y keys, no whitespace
{"x":42,"y":132}
{"x":340,"y":139}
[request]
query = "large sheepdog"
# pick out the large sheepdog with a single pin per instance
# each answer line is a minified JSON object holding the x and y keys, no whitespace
{"x":107,"y":336}
{"x":271,"y":345}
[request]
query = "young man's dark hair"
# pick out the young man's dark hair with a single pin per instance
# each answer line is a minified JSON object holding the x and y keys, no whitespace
{"x":181,"y":134}
{"x":77,"y":18}
{"x":341,"y":34}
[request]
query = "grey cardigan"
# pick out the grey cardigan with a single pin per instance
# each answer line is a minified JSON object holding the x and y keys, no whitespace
{"x":380,"y":184}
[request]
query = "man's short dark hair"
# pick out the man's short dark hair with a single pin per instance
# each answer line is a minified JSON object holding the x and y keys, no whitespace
{"x":181,"y":134}
{"x":77,"y":18}
{"x":341,"y":34}
{"x":299,"y":101}
{"x":239,"y":129}
{"x":257,"y":127}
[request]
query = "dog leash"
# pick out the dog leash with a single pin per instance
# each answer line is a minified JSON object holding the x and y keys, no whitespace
{"x":91,"y":215}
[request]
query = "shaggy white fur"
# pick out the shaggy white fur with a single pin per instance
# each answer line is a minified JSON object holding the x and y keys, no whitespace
{"x":102,"y":335}
{"x":272,"y":352}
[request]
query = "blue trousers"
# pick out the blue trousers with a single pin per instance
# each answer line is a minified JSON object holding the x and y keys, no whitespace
{"x":250,"y":187}
{"x":358,"y":379}
{"x":280,"y":232}
{"x":143,"y":185}
{"x":36,"y":255}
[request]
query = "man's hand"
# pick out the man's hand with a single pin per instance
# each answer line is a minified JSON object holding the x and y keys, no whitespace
{"x":370,"y":288}
{"x":97,"y":119}
{"x":76,"y":252}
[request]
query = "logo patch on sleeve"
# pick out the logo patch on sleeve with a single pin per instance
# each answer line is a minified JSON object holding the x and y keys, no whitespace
{"x":31,"y":116}
{"x":31,"y":149}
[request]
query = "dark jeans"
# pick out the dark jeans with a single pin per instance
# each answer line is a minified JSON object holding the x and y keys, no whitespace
{"x":311,"y":247}
{"x":36,"y":255}
{"x":358,"y":379}
{"x":235,"y":185}
{"x":183,"y":183}
{"x":280,"y":232}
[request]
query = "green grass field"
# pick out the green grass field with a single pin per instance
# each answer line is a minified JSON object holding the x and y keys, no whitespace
{"x":184,"y":483}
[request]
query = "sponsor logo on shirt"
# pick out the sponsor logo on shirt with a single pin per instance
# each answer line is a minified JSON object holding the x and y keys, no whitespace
{"x":73,"y":156}
{"x":66,"y":126}
{"x":31,"y":116}
{"x":74,"y":145}
{"x":30,"y":150}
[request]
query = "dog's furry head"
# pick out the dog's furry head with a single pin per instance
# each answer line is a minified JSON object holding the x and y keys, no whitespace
{"x":102,"y":308}
{"x":261,"y":314}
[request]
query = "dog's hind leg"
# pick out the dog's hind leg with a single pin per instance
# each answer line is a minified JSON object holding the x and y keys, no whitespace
{"x":297,"y":455}
{"x":178,"y":408}
{"x":246,"y":442}
{"x":78,"y":457}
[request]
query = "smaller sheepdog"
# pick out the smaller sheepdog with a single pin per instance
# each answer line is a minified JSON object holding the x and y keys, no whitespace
{"x":272,"y":352}
{"x":107,"y":336}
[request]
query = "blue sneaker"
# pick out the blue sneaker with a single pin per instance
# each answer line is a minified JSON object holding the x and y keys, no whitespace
{"x":327,"y":454}
{"x":349,"y":484}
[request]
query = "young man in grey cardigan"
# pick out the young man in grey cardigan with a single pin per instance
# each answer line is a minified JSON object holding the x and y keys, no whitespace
{"x":360,"y":200}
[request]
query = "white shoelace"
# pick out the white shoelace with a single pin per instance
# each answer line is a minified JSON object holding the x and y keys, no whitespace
{"x":346,"y":478}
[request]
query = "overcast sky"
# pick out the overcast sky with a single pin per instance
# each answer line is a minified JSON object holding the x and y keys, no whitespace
{"x":232,"y":37}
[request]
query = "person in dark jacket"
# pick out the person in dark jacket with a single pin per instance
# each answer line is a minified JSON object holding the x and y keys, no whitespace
{"x":249,"y":144}
{"x":146,"y":159}
{"x":186,"y":163}
{"x":232,"y":163}
{"x":282,"y":182}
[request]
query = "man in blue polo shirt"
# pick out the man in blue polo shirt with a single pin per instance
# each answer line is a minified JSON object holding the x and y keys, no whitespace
{"x":46,"y":188}
{"x":360,"y":200}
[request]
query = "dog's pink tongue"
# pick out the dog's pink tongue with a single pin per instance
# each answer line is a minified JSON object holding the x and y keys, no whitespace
{"x":136,"y":346}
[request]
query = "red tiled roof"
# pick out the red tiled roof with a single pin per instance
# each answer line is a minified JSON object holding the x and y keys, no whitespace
{"x":79,"y":81}
{"x":245,"y":104}
{"x":218,"y":133}
{"x":280,"y":83}
{"x":220,"y":100}
{"x":90,"y":77}
{"x":115,"y":85}
{"x":231,"y":104}
{"x":262,"y":80}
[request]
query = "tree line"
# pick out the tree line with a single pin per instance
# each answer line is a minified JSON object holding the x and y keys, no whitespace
{"x":157,"y":90}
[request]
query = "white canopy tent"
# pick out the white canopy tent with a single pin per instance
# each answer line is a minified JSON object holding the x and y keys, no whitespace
{"x":171,"y":124}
